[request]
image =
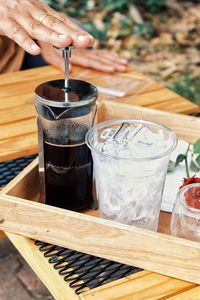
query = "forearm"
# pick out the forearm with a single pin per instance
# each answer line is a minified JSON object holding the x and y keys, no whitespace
{"x":11,"y":55}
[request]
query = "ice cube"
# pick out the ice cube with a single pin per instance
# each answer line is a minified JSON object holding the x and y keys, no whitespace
{"x":121,"y":134}
{"x":132,"y":141}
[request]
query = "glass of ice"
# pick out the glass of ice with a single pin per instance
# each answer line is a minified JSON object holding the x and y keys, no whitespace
{"x":185,"y":219}
{"x":130,"y":158}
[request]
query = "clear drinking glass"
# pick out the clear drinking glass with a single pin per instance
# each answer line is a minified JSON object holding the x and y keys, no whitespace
{"x":185,"y":219}
{"x":130,"y":159}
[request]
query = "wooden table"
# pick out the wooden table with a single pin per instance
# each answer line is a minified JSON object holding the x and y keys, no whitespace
{"x":18,"y":137}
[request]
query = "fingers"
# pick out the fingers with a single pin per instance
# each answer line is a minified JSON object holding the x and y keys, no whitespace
{"x":81,"y":38}
{"x":62,"y":25}
{"x":17,"y":33}
{"x":35,"y":29}
{"x":29,"y":20}
{"x":91,"y":63}
{"x":108,"y":60}
{"x":112,"y":56}
{"x":99,"y":60}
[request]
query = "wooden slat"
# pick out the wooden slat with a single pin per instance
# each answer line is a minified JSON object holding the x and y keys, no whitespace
{"x":192,"y":294}
{"x":154,"y":86}
{"x":111,"y":240}
{"x":16,"y":101}
{"x":29,"y":75}
{"x":142,"y":285}
{"x":164,"y":221}
{"x":169,"y":105}
{"x":184,"y":107}
{"x":19,"y":113}
{"x":49,"y":276}
{"x":158,"y":95}
{"x":18,"y":146}
{"x":18,"y":128}
{"x":13,"y":89}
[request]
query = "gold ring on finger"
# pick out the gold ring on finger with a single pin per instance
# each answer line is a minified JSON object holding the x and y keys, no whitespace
{"x":43,"y":16}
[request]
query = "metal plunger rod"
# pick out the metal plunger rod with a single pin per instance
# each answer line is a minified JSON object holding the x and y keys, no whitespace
{"x":66,"y":52}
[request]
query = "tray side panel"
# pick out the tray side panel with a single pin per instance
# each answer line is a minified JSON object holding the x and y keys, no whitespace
{"x":25,"y":184}
{"x":126,"y":244}
{"x":143,"y":285}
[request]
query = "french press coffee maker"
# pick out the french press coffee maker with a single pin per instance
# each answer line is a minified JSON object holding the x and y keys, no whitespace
{"x":66,"y":110}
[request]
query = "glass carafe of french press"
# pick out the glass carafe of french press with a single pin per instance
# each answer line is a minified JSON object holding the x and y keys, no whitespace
{"x":66,"y":110}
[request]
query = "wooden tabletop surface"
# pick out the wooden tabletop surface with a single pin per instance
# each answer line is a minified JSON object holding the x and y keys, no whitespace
{"x":18,"y":137}
{"x":18,"y":132}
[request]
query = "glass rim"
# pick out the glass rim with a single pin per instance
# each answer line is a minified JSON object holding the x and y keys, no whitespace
{"x":143,"y":121}
{"x":182,"y":199}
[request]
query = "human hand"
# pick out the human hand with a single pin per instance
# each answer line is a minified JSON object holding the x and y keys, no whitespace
{"x":101,"y":60}
{"x":29,"y":20}
{"x":98,"y":59}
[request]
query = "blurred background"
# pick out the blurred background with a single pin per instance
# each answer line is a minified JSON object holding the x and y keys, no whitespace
{"x":159,"y":37}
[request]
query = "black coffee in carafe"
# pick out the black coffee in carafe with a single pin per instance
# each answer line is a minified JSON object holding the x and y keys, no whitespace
{"x":65,"y":162}
{"x":68,"y":176}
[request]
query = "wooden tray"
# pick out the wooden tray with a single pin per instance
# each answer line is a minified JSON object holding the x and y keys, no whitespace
{"x":87,"y":233}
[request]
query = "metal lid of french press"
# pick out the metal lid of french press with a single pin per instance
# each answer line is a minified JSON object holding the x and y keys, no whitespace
{"x":66,"y":92}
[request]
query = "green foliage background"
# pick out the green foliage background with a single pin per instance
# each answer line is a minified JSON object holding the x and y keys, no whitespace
{"x":83,"y":11}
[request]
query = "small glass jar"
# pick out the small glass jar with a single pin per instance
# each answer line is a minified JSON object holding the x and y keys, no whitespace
{"x":185,"y":219}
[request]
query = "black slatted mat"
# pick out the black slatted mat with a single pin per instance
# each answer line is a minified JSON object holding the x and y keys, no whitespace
{"x":9,"y":169}
{"x":81,"y":271}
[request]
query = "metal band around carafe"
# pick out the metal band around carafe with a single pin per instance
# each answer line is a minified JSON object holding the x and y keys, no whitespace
{"x":53,"y":94}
